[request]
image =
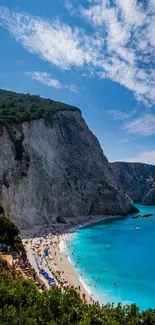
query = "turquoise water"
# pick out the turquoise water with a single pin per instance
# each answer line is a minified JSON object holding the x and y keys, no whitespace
{"x":118,"y":263}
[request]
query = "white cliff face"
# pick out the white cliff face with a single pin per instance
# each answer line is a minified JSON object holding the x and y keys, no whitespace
{"x":55,"y":168}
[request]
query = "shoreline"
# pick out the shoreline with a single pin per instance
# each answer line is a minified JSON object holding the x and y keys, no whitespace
{"x":84,"y":288}
{"x":68,"y":263}
{"x":56,"y":244}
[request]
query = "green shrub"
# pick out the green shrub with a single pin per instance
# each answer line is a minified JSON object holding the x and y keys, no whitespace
{"x":22,"y":303}
{"x":17,"y":108}
{"x":9,"y":234}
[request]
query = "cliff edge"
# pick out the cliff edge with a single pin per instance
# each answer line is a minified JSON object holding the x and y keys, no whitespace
{"x":51,"y":167}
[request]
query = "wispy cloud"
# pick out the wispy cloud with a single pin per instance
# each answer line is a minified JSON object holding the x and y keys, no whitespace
{"x":120,"y":46}
{"x":127,"y":28}
{"x":68,"y":4}
{"x":125,"y":140}
{"x":118,"y":115}
{"x":147,"y":157}
{"x":143,"y":125}
{"x":53,"y":41}
{"x":46,"y":79}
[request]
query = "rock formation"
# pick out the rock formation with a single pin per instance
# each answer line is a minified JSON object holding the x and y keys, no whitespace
{"x":150,"y":197}
{"x":137,"y":180}
{"x":55,"y":167}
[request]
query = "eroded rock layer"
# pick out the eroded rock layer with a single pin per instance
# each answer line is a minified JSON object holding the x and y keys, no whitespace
{"x":137,"y":180}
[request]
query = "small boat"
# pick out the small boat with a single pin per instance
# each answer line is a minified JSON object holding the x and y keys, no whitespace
{"x":134,"y":228}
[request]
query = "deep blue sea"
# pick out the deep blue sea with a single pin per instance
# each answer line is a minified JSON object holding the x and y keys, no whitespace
{"x":117,"y":263}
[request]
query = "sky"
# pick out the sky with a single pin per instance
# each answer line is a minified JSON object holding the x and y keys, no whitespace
{"x":98,"y":55}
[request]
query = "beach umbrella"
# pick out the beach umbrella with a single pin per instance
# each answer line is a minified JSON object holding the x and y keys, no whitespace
{"x":45,"y":244}
{"x":65,"y":285}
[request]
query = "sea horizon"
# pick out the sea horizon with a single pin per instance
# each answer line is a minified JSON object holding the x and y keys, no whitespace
{"x":113,"y":261}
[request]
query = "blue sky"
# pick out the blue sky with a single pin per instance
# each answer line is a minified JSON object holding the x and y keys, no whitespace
{"x":98,"y":55}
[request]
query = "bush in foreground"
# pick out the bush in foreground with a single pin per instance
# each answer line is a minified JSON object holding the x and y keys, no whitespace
{"x":21,"y":303}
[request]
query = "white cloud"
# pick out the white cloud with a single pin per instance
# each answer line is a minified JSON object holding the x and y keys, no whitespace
{"x":125,"y":140}
{"x":53,"y":41}
{"x":46,"y":79}
{"x":68,"y":4}
{"x":143,"y":125}
{"x":147,"y":157}
{"x":118,"y":115}
{"x":150,"y":29}
{"x":132,"y":13}
{"x":128,"y":30}
{"x":126,"y":54}
{"x":120,"y":45}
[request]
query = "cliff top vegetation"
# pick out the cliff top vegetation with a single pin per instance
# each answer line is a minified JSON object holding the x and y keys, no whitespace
{"x":18,"y":108}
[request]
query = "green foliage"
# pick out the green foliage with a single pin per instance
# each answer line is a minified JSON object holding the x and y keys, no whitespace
{"x":7,"y":229}
{"x":9,"y":234}
{"x":18,"y":108}
{"x":21,"y":303}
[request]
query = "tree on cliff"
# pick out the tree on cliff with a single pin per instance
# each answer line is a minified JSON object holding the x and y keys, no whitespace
{"x":9,"y":234}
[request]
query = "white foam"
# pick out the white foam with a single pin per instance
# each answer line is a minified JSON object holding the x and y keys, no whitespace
{"x":63,"y":248}
{"x":64,"y":242}
{"x":69,"y":260}
{"x":85,"y":286}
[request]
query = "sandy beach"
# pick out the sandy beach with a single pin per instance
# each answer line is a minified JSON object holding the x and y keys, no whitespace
{"x":64,"y":265}
{"x":58,"y":264}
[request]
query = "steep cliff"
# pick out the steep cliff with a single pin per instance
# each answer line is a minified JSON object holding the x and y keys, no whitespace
{"x":149,"y":199}
{"x":55,"y":167}
{"x":137,"y":179}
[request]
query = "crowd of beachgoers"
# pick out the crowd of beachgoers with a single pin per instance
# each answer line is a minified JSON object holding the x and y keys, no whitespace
{"x":51,"y":263}
{"x":41,"y":249}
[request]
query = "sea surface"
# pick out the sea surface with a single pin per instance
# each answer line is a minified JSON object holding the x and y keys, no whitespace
{"x":116,"y":263}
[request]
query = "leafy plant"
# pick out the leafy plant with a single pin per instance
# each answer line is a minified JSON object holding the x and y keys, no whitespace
{"x":17,"y":108}
{"x":9,"y":234}
{"x":22,"y":303}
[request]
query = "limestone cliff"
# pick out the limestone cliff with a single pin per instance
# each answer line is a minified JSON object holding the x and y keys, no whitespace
{"x":137,"y":179}
{"x":55,"y":167}
{"x":150,"y":197}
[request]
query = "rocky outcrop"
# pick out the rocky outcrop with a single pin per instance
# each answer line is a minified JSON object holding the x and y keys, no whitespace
{"x":150,"y":197}
{"x":137,"y":179}
{"x":55,"y":168}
